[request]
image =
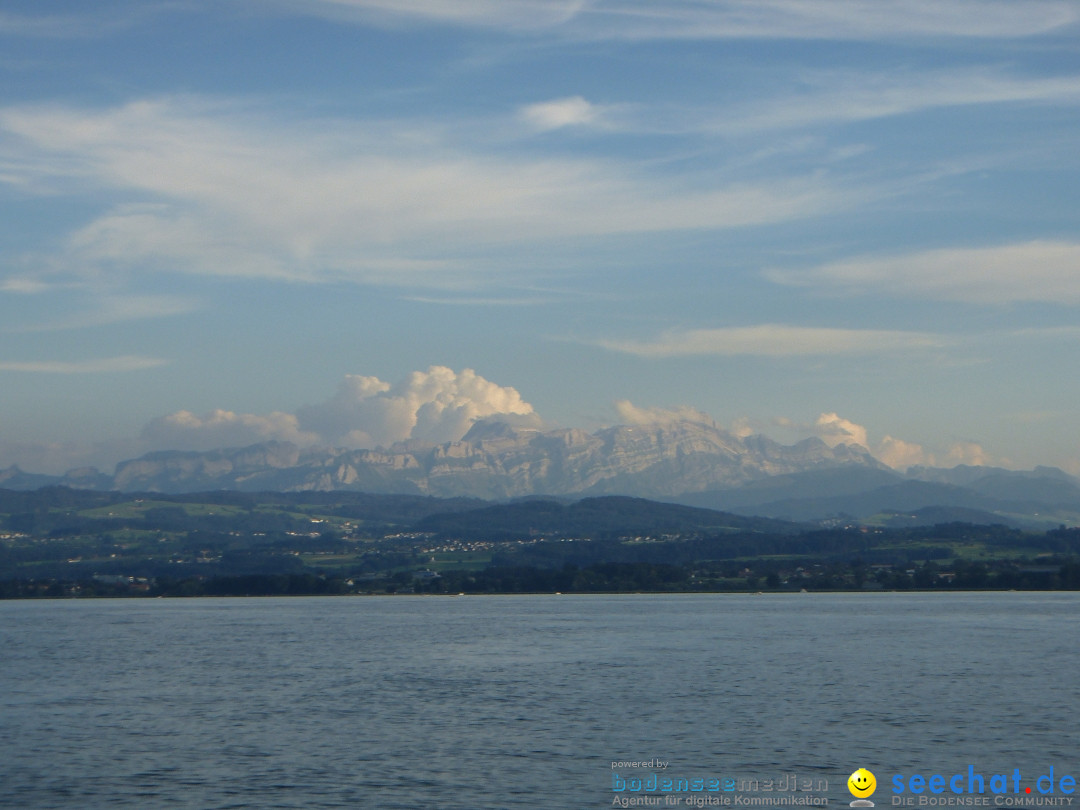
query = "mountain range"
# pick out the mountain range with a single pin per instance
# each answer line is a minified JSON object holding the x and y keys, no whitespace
{"x":689,"y":462}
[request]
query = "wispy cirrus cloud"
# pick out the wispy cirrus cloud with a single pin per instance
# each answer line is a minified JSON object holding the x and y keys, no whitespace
{"x":207,"y":188}
{"x":512,"y":15}
{"x":20,"y":285}
{"x":820,"y":99}
{"x":840,"y":97}
{"x":823,"y":19}
{"x":721,"y":19}
{"x":775,"y":340}
{"x":103,"y":310}
{"x":64,"y":26}
{"x":490,"y":301}
{"x":104,"y":18}
{"x":631,"y":414}
{"x":104,"y":365}
{"x":1043,"y":271}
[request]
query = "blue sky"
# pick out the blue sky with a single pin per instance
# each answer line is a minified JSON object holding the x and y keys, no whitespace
{"x":356,"y":221}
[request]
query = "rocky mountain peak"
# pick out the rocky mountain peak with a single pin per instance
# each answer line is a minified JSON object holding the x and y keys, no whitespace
{"x":496,"y":459}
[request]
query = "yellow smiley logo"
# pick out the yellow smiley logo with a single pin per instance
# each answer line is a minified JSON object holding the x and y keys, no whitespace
{"x":862,"y":783}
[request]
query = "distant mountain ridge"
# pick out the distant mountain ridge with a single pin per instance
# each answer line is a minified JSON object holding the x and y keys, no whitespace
{"x":494,"y":461}
{"x":689,"y":462}
{"x":1038,"y":498}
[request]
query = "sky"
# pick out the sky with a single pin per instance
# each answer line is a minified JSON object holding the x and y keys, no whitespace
{"x":353,"y":222}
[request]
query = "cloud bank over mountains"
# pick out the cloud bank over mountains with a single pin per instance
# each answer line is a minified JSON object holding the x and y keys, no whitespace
{"x":433,"y":407}
{"x":438,"y":405}
{"x":843,"y":219}
{"x":833,"y":429}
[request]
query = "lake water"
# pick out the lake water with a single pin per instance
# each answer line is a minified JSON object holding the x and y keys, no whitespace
{"x":524,"y":701}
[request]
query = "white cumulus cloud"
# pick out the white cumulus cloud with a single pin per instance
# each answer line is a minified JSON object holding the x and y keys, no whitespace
{"x":900,"y":454}
{"x":831,"y":428}
{"x":185,"y":430}
{"x":562,"y":112}
{"x":834,"y":429}
{"x":437,"y":405}
{"x":897,"y":453}
{"x":967,"y":452}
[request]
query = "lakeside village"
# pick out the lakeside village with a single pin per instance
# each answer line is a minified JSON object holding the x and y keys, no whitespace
{"x":57,"y":543}
{"x":769,"y":576}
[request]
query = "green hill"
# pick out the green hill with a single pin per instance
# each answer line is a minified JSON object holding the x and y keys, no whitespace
{"x":604,"y":516}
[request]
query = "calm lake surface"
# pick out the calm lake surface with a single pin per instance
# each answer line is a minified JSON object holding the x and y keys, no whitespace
{"x":523,"y":701}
